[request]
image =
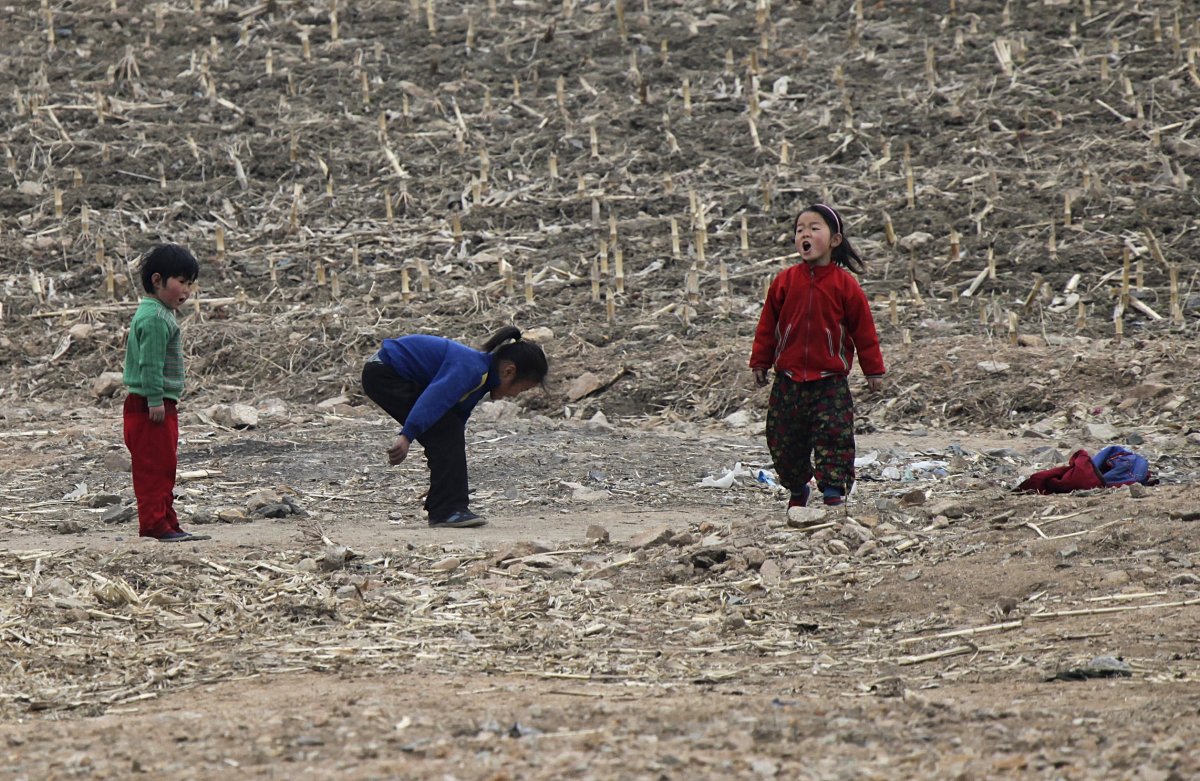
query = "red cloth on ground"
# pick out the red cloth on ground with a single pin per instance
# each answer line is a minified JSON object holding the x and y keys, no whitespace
{"x":152,"y":451}
{"x":1078,"y":475}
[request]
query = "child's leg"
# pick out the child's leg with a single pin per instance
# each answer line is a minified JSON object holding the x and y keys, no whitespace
{"x":789,"y":435}
{"x":153,"y":456}
{"x":446,"y":452}
{"x":833,"y":435}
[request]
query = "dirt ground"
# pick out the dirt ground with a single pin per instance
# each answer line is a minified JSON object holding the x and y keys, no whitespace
{"x":619,"y":177}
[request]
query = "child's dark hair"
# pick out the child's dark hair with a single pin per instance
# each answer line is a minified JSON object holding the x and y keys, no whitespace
{"x":528,"y":358}
{"x":843,"y":254}
{"x":168,"y":260}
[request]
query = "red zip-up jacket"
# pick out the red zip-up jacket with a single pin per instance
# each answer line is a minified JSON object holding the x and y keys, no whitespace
{"x":812,"y":321}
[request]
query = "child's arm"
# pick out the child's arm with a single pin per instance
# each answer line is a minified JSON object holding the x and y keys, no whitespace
{"x":861,"y":324}
{"x":152,"y":338}
{"x":449,"y":385}
{"x":762,"y":354}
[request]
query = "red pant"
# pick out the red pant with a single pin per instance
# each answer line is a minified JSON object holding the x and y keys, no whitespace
{"x":152,"y":451}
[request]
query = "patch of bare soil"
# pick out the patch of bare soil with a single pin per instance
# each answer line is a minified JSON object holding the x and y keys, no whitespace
{"x":620,"y":176}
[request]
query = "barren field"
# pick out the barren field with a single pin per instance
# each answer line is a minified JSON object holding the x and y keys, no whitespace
{"x":618,"y":178}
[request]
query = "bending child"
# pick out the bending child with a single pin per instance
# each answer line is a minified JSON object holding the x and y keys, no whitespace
{"x":815,"y":317}
{"x":429,"y":385}
{"x":154,"y":377}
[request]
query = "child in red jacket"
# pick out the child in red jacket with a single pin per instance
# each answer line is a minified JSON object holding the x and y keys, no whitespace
{"x":813,"y":320}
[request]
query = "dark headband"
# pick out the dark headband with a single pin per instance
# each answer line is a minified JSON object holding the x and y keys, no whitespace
{"x":829,"y":212}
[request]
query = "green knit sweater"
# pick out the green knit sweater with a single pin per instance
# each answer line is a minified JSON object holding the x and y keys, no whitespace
{"x":154,"y":353}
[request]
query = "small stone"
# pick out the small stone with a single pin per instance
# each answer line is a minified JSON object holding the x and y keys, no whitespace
{"x":866,"y":549}
{"x":57,"y":587}
{"x":1102,"y":432}
{"x":682,"y":539}
{"x":914,"y":498}
{"x":1149,"y":390}
{"x":68,"y":527}
{"x":232,"y":515}
{"x":518,"y":550}
{"x":346,"y":592}
{"x":770,"y":572}
{"x":334,"y":402}
{"x":239,"y":416}
{"x":1138,"y":491}
{"x":596,"y":533}
{"x":307,"y":565}
{"x":950,"y":508}
{"x":708,"y":557}
{"x":107,"y":384}
{"x":81,"y":330}
{"x":335,"y":557}
{"x":1069,"y":552}
{"x":1117,"y":577}
{"x":803,"y":517}
{"x":650,"y":538}
{"x":915,"y":240}
{"x":447,"y":565}
{"x":103,"y":500}
{"x":1109,"y":666}
{"x":992,"y":367}
{"x":117,"y":461}
{"x":739,"y":419}
{"x":837,"y":548}
{"x":755,"y":557}
{"x":117,"y":514}
{"x":584,"y":385}
{"x":1187,"y":513}
{"x":539,"y":334}
{"x":854,"y":533}
{"x":496,"y":411}
{"x":272,"y":407}
{"x":598,"y":422}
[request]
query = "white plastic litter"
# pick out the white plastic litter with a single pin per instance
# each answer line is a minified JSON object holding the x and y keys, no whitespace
{"x":867,"y":460}
{"x":726,"y":480}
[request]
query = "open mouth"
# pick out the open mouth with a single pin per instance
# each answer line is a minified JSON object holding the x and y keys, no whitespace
{"x":806,"y":246}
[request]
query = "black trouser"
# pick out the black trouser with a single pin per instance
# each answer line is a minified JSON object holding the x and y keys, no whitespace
{"x":444,"y":442}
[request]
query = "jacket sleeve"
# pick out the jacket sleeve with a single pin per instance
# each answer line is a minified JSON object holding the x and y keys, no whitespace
{"x":152,"y":337}
{"x":448,"y":387}
{"x":762,"y":354}
{"x":862,"y":330}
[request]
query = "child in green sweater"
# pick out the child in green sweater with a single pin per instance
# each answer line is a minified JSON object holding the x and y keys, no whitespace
{"x":154,"y":378}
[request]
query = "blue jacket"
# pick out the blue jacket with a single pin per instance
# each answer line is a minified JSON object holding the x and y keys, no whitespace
{"x":453,"y":377}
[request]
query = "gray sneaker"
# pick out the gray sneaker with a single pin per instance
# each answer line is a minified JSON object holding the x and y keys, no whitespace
{"x":459,"y":519}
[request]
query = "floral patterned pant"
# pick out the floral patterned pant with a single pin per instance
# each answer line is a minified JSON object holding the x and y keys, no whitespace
{"x":810,"y":433}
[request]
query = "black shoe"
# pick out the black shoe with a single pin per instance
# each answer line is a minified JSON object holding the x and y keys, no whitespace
{"x":459,"y":519}
{"x":182,"y":537}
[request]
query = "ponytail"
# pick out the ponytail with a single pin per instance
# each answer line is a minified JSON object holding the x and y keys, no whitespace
{"x":528,"y":358}
{"x":509,"y":333}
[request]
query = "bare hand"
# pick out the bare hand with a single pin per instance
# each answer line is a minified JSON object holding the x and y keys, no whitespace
{"x":399,"y":450}
{"x":760,"y":377}
{"x":158,"y":414}
{"x":875,"y":384}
